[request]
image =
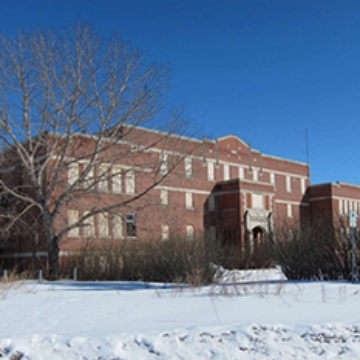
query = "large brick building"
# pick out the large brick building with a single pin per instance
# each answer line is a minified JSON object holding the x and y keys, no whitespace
{"x":221,"y":187}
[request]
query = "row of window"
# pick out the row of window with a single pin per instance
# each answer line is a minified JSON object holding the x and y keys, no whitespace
{"x":189,"y":200}
{"x":107,"y":178}
{"x":165,"y":232}
{"x":346,"y":206}
{"x":107,"y":225}
{"x":112,"y":226}
{"x":226,"y":172}
{"x":255,"y":176}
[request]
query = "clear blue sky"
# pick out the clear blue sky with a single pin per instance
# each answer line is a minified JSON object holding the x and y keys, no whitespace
{"x":262,"y":70}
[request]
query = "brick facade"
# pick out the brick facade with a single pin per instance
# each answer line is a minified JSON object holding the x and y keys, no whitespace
{"x":222,"y":188}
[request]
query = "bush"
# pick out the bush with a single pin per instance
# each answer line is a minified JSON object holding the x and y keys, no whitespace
{"x":314,"y":253}
{"x":174,"y":260}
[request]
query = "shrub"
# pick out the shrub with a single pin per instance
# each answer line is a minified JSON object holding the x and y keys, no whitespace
{"x":173,"y":260}
{"x":314,"y":253}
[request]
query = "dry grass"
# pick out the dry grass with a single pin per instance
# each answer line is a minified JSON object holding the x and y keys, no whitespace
{"x":14,"y":281}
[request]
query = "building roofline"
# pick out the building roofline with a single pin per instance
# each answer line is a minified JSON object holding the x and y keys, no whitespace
{"x":335,"y":184}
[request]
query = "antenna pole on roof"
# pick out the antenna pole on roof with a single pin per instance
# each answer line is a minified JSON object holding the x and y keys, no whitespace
{"x":307,"y":150}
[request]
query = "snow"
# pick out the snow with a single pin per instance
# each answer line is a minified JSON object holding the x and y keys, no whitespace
{"x":247,"y":315}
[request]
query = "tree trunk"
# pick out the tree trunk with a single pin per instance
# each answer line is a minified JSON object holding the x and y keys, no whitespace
{"x":52,"y":244}
{"x":53,"y":258}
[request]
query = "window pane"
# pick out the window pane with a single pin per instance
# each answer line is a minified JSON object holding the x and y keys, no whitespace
{"x":89,"y":226}
{"x":117,"y":226}
{"x":116,"y":180}
{"x":188,"y":167}
{"x":104,"y":178}
{"x":164,"y":197}
{"x":130,"y":225}
{"x":73,"y":217}
{"x":164,"y":232}
{"x":130,"y":182}
{"x":103,"y":225}
{"x":189,"y":200}
{"x":210,"y":167}
{"x":73,"y":173}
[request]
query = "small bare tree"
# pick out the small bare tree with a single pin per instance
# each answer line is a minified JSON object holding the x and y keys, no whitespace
{"x":72,"y":97}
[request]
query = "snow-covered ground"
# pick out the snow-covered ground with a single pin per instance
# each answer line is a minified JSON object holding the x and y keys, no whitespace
{"x":261,"y":316}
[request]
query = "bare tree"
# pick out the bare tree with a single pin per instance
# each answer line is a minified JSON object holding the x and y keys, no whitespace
{"x":70,"y":98}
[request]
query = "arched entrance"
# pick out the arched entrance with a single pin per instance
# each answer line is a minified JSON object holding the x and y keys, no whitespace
{"x":258,"y":236}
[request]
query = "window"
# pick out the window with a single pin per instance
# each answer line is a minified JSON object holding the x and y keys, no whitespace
{"x":341,"y":207}
{"x":164,"y":197}
{"x":89,"y":179}
{"x":103,"y":225}
{"x":211,"y":202}
{"x":226,"y":172}
{"x":346,"y":207}
{"x":130,"y":182}
{"x":73,"y":217}
{"x":257,"y":201}
{"x":241,"y":173}
{"x":104,"y":178}
{"x":272,"y":178}
{"x":303,"y":187}
{"x":163,"y":164}
{"x":73,"y":173}
{"x":288,"y":183}
{"x":116,"y":180}
{"x":255,"y":174}
{"x":188,"y":167}
{"x":117,"y":226}
{"x":189,"y":200}
{"x":189,"y":232}
{"x":164,"y":232}
{"x":210,"y":171}
{"x":130,"y":225}
{"x":289,"y":210}
{"x":89,"y":226}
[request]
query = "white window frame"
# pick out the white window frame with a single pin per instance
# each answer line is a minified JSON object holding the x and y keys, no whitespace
{"x":188,"y":167}
{"x":272,"y":178}
{"x":73,"y":173}
{"x":303,"y":185}
{"x":164,"y":197}
{"x":165,"y":232}
{"x":226,"y":169}
{"x":211,"y":171}
{"x":103,"y":184}
{"x":116,"y":180}
{"x":89,"y":179}
{"x":341,"y":207}
{"x":189,"y":201}
{"x":73,"y":217}
{"x":288,"y":183}
{"x":255,"y":174}
{"x":103,"y":225}
{"x":89,"y":226}
{"x":130,"y":182}
{"x":117,"y":223}
{"x":241,"y":173}
{"x":130,"y":219}
{"x":289,"y":211}
{"x":163,"y":163}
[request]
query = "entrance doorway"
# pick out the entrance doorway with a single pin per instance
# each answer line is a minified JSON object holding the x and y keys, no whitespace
{"x":258,"y":235}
